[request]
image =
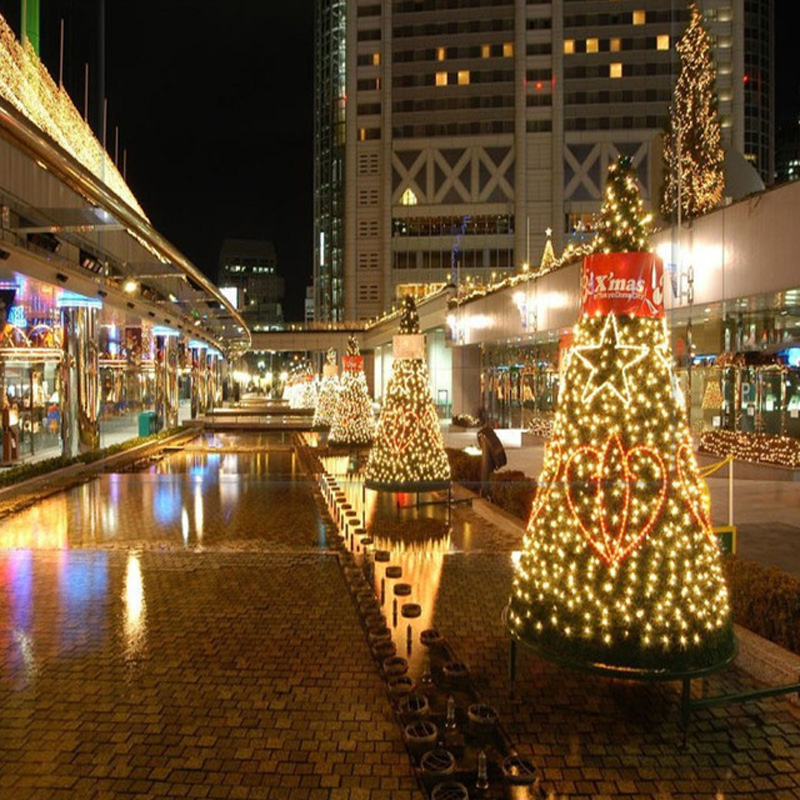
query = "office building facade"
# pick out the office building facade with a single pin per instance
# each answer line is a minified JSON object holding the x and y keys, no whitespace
{"x":472,"y":126}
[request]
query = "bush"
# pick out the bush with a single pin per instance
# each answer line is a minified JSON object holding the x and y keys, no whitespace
{"x":466,"y":421}
{"x":24,"y":472}
{"x":464,"y":468}
{"x":765,"y":601}
{"x":513,"y":491}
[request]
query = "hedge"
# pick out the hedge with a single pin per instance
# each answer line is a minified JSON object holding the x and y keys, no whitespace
{"x":24,"y":472}
{"x":765,"y":600}
{"x":513,"y":491}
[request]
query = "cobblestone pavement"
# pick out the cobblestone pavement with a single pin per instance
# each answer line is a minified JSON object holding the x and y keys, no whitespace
{"x":598,"y":738}
{"x":189,"y":674}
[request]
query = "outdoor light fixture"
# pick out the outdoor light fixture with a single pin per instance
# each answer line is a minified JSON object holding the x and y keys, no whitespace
{"x":61,"y":277}
{"x":4,"y":255}
{"x":130,"y":286}
{"x":102,"y":293}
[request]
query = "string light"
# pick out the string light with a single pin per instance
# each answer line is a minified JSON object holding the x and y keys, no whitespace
{"x":761,"y":448}
{"x":620,"y":565}
{"x":328,"y":391}
{"x":408,"y":447}
{"x":27,"y":85}
{"x":352,"y":414}
{"x":693,"y":154}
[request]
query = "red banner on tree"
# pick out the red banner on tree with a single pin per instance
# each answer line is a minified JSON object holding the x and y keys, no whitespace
{"x":353,"y":363}
{"x":629,"y":284}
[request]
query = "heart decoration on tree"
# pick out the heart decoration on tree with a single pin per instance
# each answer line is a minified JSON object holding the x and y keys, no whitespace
{"x":610,"y":492}
{"x":696,"y":500}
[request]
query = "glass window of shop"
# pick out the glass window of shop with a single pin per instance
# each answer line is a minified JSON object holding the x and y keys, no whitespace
{"x":31,"y":409}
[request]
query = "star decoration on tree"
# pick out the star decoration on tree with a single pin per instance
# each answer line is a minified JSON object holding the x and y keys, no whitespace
{"x":608,"y":361}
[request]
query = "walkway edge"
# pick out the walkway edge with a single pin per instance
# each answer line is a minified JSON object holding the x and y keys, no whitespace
{"x":79,"y":470}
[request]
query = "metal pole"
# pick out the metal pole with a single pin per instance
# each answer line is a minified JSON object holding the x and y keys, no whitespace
{"x":730,"y":491}
{"x":86,"y":92}
{"x":61,"y":58}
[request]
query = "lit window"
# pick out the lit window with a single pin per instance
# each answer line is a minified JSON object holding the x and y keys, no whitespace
{"x":441,"y":79}
{"x":508,"y":50}
{"x":592,"y":45}
{"x":639,"y":17}
{"x":662,"y":42}
{"x":569,"y":46}
{"x":362,"y":134}
{"x":376,"y":59}
{"x":408,"y":198}
{"x":486,"y":50}
{"x":463,"y":77}
{"x":615,"y":45}
{"x":615,"y":69}
{"x":441,"y":53}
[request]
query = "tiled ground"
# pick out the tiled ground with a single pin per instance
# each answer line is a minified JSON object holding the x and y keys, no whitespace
{"x":189,"y":675}
{"x":596,"y":738}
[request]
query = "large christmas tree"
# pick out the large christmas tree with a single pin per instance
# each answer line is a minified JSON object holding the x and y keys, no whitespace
{"x":693,"y":155}
{"x":408,"y":453}
{"x":328,"y":391}
{"x":620,"y":566}
{"x":352,"y":416}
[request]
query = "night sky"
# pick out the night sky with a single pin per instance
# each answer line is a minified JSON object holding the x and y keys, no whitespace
{"x":213,"y":99}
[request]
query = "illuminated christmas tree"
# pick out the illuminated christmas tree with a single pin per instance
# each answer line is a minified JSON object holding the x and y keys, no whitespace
{"x":352,"y":417}
{"x":693,"y":154}
{"x":620,"y":566}
{"x":408,"y":453}
{"x":328,"y":391}
{"x":712,"y":397}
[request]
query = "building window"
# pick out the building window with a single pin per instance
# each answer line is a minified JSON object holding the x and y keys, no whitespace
{"x":569,"y":46}
{"x":463,"y":77}
{"x":362,"y":134}
{"x":486,"y":51}
{"x":508,"y":50}
{"x":639,"y":17}
{"x":662,"y":42}
{"x":408,"y":198}
{"x":441,"y":53}
{"x":615,"y":69}
{"x":615,"y":45}
{"x":441,"y":79}
{"x":592,"y":45}
{"x":376,"y":59}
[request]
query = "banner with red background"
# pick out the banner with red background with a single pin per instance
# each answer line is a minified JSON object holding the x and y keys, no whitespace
{"x":629,"y":284}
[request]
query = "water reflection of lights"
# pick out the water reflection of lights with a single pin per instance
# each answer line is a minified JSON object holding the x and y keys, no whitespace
{"x":185,"y":526}
{"x":135,"y":623}
{"x":25,"y":644}
{"x":198,"y":513}
{"x":44,"y":525}
{"x":422,"y":564}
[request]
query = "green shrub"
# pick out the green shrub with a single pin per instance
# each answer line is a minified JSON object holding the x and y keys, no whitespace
{"x":464,"y":468}
{"x":765,"y":600}
{"x":24,"y":472}
{"x":513,"y":491}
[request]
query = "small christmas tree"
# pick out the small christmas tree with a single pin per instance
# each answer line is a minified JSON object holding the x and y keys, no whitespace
{"x":352,"y":416}
{"x":712,"y":397}
{"x":620,"y":566}
{"x":408,"y":453}
{"x":693,"y":154}
{"x":328,"y":391}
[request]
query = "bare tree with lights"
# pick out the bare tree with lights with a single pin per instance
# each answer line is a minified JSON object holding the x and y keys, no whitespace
{"x":693,"y":156}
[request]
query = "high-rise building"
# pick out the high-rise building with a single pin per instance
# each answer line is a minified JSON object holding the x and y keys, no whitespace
{"x":248,"y":277}
{"x":472,"y":126}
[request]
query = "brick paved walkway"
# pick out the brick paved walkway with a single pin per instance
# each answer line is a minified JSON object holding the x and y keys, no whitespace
{"x":597,"y":738}
{"x":189,"y":675}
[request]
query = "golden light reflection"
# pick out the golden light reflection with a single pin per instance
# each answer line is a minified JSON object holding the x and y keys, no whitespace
{"x":185,"y":526}
{"x":42,"y":526}
{"x":198,"y":512}
{"x":422,"y":564}
{"x":135,"y":620}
